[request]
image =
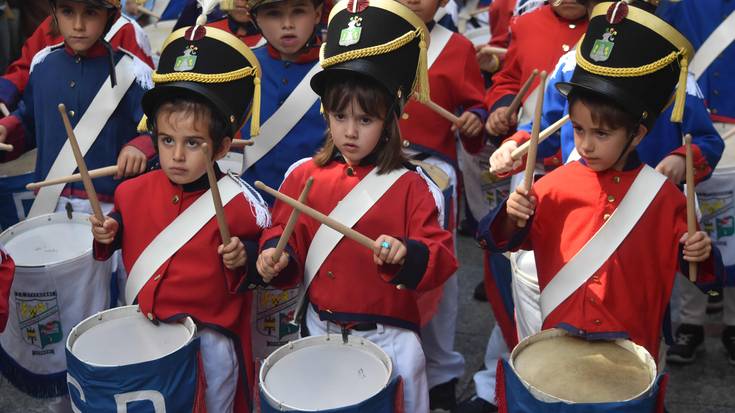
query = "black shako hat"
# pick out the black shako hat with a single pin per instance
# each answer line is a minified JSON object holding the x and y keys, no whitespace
{"x":380,"y":39}
{"x":634,"y":58}
{"x":214,"y":65}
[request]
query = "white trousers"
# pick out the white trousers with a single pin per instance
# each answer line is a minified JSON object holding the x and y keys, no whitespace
{"x":221,"y":370}
{"x":486,"y":379}
{"x":526,"y":293}
{"x":404,"y":349}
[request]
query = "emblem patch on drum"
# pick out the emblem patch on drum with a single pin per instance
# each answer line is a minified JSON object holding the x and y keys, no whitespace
{"x":38,"y":318}
{"x":274,"y":311}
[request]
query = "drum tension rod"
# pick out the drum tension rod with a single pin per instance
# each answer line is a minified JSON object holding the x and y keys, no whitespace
{"x":345,"y":334}
{"x":69,"y":210}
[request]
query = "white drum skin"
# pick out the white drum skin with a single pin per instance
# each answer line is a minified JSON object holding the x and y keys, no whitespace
{"x":340,"y":374}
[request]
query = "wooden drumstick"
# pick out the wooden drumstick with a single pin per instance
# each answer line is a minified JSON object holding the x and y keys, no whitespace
{"x":83,"y":172}
{"x":523,"y":149}
{"x":495,"y":50}
{"x":330,"y":222}
{"x":516,"y":103}
{"x":6,"y":147}
{"x":691,"y":212}
{"x":292,"y":221}
{"x":4,"y":109}
{"x":729,"y":134}
{"x":479,"y":11}
{"x":441,"y":111}
{"x":218,"y":209}
{"x":239,"y":143}
{"x":144,"y":10}
{"x":533,"y":147}
{"x":94,"y":173}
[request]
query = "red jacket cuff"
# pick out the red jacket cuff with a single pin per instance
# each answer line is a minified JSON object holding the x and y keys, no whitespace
{"x":520,"y":137}
{"x":702,"y":169}
{"x":144,"y":143}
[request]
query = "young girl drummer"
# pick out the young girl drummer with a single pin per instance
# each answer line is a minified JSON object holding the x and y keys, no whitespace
{"x":371,"y":293}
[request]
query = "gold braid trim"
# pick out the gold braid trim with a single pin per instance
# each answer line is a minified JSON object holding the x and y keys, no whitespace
{"x":372,"y":50}
{"x":628,"y":71}
{"x":204,"y":78}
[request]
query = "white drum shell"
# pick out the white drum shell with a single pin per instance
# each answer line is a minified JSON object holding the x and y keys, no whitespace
{"x":299,"y":372}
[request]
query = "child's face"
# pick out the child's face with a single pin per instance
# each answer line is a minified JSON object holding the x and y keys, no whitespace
{"x":288,"y":25}
{"x":569,"y":9}
{"x":425,"y":9}
{"x":80,"y":24}
{"x":354,"y":132}
{"x":600,"y":145}
{"x":180,"y":139}
{"x":240,"y":13}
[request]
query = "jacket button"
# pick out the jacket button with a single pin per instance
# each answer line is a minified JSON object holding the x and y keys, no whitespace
{"x":404,"y":116}
{"x":285,"y":81}
{"x":150,"y":316}
{"x":72,"y":113}
{"x":72,"y":84}
{"x":565,"y":47}
{"x":406,"y":143}
{"x":597,"y":322}
{"x":610,"y":198}
{"x":401,"y":287}
{"x":606,"y":217}
{"x":175,"y":199}
{"x":330,"y":274}
{"x":157,"y":277}
{"x":616,"y":179}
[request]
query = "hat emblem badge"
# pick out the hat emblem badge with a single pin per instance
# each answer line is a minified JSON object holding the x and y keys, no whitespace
{"x":351,"y":34}
{"x":602,"y":48}
{"x":186,"y":61}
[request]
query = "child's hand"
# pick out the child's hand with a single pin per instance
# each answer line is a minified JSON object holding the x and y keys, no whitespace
{"x":233,"y":254}
{"x":498,"y":123}
{"x":130,"y":162}
{"x":469,"y":125}
{"x":520,"y":206}
{"x":104,"y":232}
{"x":697,"y":248}
{"x":674,"y":167}
{"x":501,"y":160}
{"x":267,"y":267}
{"x":388,"y":250}
{"x":3,"y":133}
{"x":486,"y":59}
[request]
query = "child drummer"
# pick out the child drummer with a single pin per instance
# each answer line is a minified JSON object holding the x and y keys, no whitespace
{"x":570,"y":208}
{"x":368,"y":292}
{"x":205,"y":83}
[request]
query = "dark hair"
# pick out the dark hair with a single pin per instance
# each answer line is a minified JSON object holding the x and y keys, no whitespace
{"x":605,"y":111}
{"x":197,"y":108}
{"x":340,"y":90}
{"x":254,"y":11}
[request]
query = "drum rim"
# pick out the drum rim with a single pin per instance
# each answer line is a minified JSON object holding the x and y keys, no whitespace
{"x":558,"y":332}
{"x":114,"y":314}
{"x":38,"y":221}
{"x":312,"y":341}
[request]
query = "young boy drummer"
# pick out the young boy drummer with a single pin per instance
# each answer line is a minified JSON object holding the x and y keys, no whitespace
{"x":620,"y":86}
{"x":205,"y":83}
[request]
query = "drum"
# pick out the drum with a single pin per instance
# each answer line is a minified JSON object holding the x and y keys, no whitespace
{"x":57,"y":284}
{"x":231,"y":162}
{"x":716,"y":198}
{"x":15,"y":200}
{"x":554,"y":367}
{"x":117,"y":357}
{"x":273,"y":313}
{"x":323,"y":372}
{"x":157,"y":33}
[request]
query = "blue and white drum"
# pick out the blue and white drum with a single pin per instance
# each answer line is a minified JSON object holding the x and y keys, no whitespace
{"x":57,"y":284}
{"x":119,"y":361}
{"x":15,"y":199}
{"x":324,"y":373}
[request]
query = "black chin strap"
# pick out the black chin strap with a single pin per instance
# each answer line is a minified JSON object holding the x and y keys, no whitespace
{"x":111,"y":61}
{"x":627,"y":145}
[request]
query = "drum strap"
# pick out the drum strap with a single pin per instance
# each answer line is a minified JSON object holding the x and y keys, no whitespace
{"x":348,"y":211}
{"x":283,"y":120}
{"x":605,"y":241}
{"x":86,"y":132}
{"x":176,"y":234}
{"x":715,"y":44}
{"x":440,"y":36}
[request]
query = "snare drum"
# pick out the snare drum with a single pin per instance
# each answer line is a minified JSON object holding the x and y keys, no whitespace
{"x":15,"y":200}
{"x":273,"y":313}
{"x":118,"y":356}
{"x":57,"y":284}
{"x":553,"y":370}
{"x":324,"y":373}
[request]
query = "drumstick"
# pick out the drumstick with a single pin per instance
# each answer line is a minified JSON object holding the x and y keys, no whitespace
{"x":533,"y":147}
{"x":86,"y":180}
{"x":238,"y":143}
{"x":440,"y":111}
{"x":330,"y":222}
{"x":6,"y":147}
{"x":94,"y":173}
{"x":521,"y":150}
{"x":495,"y":50}
{"x":292,"y":221}
{"x":516,"y":103}
{"x":4,"y":109}
{"x":691,"y":213}
{"x":479,"y":11}
{"x":729,"y":134}
{"x":148,"y":12}
{"x":219,"y":211}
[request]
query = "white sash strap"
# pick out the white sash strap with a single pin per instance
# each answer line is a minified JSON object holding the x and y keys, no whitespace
{"x":440,"y":36}
{"x":283,"y":120}
{"x":119,"y":23}
{"x":176,"y":234}
{"x":715,"y":44}
{"x":529,"y":106}
{"x":605,"y":241}
{"x":86,"y":132}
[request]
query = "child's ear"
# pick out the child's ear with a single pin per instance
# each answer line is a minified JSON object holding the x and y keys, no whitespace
{"x":442,"y":3}
{"x":318,"y":13}
{"x":639,"y":134}
{"x":223,"y":149}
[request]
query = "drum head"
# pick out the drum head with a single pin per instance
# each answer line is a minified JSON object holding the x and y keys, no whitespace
{"x":322,"y":372}
{"x":123,"y":336}
{"x":556,"y":366}
{"x":48,"y":239}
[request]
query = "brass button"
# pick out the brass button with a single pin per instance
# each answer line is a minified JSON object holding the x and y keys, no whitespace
{"x":330,"y":274}
{"x":483,"y":243}
{"x":597,"y":322}
{"x":175,"y":199}
{"x":401,"y":287}
{"x":157,"y":277}
{"x":251,"y":286}
{"x":595,"y":278}
{"x":616,"y":179}
{"x":572,"y":26}
{"x":406,"y":143}
{"x":72,"y":113}
{"x":404,"y":116}
{"x":77,"y":59}
{"x":72,"y":84}
{"x":610,"y":198}
{"x":606,"y":217}
{"x":150,"y":316}
{"x":565,"y":47}
{"x":285,"y":81}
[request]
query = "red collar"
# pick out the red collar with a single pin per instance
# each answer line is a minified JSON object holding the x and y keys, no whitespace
{"x":310,"y":55}
{"x":97,"y":50}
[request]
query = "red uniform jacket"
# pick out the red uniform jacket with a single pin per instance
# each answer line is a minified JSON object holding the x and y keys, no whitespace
{"x":7,"y":270}
{"x":538,"y":40}
{"x":500,"y":16}
{"x":13,"y":83}
{"x":194,"y":282}
{"x":249,"y":34}
{"x":349,"y":286}
{"x":455,"y":83}
{"x":628,"y":295}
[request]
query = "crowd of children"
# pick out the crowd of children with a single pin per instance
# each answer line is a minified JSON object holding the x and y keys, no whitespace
{"x":351,"y":111}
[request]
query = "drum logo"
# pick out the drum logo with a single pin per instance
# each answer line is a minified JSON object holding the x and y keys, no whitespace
{"x":275,"y":310}
{"x":38,"y":318}
{"x":717,"y":214}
